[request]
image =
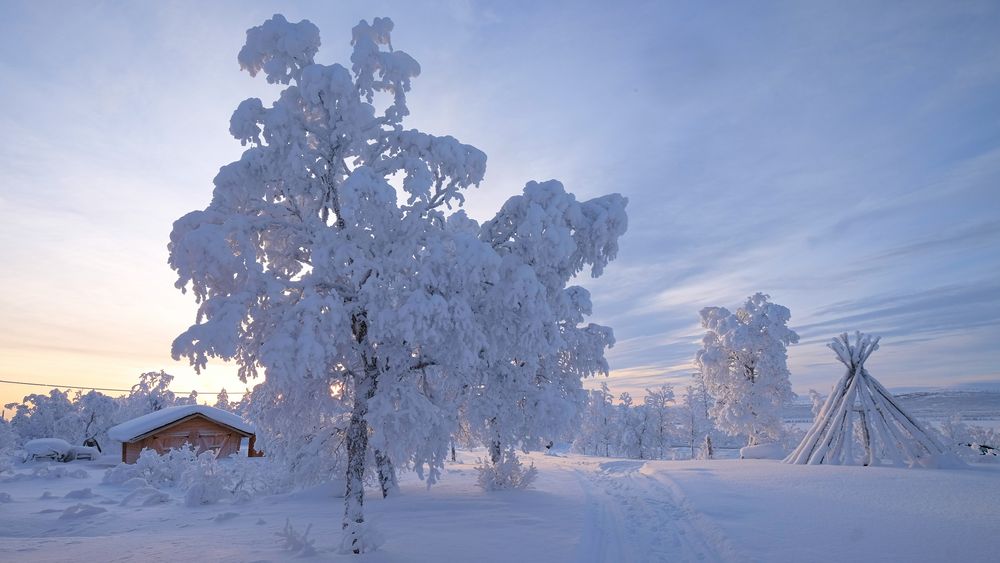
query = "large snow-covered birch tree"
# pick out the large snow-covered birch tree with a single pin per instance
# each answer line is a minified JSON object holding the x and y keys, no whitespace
{"x":743,"y":364}
{"x":335,"y":251}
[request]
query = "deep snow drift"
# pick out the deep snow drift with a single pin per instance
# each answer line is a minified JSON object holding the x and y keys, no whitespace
{"x":580,"y":509}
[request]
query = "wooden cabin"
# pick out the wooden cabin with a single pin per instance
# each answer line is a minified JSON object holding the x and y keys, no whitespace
{"x":206,"y":428}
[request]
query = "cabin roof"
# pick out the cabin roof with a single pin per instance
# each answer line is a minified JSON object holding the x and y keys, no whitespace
{"x":143,"y":425}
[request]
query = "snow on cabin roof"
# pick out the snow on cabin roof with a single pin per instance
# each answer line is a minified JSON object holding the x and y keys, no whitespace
{"x":157,"y":419}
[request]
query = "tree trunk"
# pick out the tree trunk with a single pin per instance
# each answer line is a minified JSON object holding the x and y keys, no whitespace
{"x":386,"y":472}
{"x":357,"y":447}
{"x":495,"y":452}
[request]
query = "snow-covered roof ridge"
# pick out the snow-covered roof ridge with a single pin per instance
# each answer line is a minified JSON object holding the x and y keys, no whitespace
{"x":147,"y":423}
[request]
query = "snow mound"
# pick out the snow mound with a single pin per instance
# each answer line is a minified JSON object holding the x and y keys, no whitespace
{"x":147,"y":423}
{"x":80,"y":493}
{"x":145,"y":496}
{"x":763,"y":451}
{"x":41,"y":447}
{"x":81,"y":511}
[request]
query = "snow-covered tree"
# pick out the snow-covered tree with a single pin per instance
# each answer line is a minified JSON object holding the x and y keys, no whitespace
{"x":72,"y":417}
{"x":743,"y":362}
{"x":660,"y":420}
{"x":815,"y":402}
{"x":150,"y":394}
{"x":222,"y":400}
{"x":47,"y":416}
{"x":8,"y":437}
{"x":693,"y":420}
{"x":598,"y":432}
{"x":332,"y":251}
{"x":633,"y":428}
{"x":98,"y":413}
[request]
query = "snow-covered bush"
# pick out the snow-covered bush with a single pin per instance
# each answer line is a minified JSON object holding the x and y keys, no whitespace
{"x":298,"y":543}
{"x":743,"y":363}
{"x":157,"y":470}
{"x":203,"y":478}
{"x":972,"y":443}
{"x":205,"y":481}
{"x":506,"y":473}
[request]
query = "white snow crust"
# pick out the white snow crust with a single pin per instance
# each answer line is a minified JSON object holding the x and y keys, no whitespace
{"x":138,"y":426}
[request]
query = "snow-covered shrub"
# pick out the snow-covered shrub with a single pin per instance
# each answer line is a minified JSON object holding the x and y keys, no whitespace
{"x":205,"y":481}
{"x":975,"y":444}
{"x":291,"y":540}
{"x":506,"y":473}
{"x":157,"y":470}
{"x":255,"y":476}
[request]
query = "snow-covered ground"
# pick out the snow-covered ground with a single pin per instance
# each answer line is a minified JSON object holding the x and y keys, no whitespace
{"x":580,"y":509}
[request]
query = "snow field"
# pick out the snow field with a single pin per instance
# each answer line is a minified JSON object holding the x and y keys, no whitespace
{"x":583,"y":509}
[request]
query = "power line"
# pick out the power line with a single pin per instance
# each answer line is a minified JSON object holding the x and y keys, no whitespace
{"x":108,"y":389}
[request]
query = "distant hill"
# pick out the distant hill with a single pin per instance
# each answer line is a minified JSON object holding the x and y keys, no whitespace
{"x":931,"y":405}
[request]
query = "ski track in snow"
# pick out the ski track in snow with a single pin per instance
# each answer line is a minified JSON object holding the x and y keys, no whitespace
{"x":635,"y":515}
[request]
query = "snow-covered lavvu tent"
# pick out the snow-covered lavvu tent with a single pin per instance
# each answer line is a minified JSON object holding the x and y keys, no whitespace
{"x":886,"y":433}
{"x":204,"y":427}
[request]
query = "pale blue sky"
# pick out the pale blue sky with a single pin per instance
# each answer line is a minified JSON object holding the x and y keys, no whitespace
{"x":842,"y":157}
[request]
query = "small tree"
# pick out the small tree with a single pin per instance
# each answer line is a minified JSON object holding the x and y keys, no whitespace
{"x":332,"y":252}
{"x":597,"y":429}
{"x":222,"y":401}
{"x":660,"y":419}
{"x":815,"y":403}
{"x":743,"y":362}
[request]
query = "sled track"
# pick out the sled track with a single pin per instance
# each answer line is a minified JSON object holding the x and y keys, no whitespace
{"x":634,"y":516}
